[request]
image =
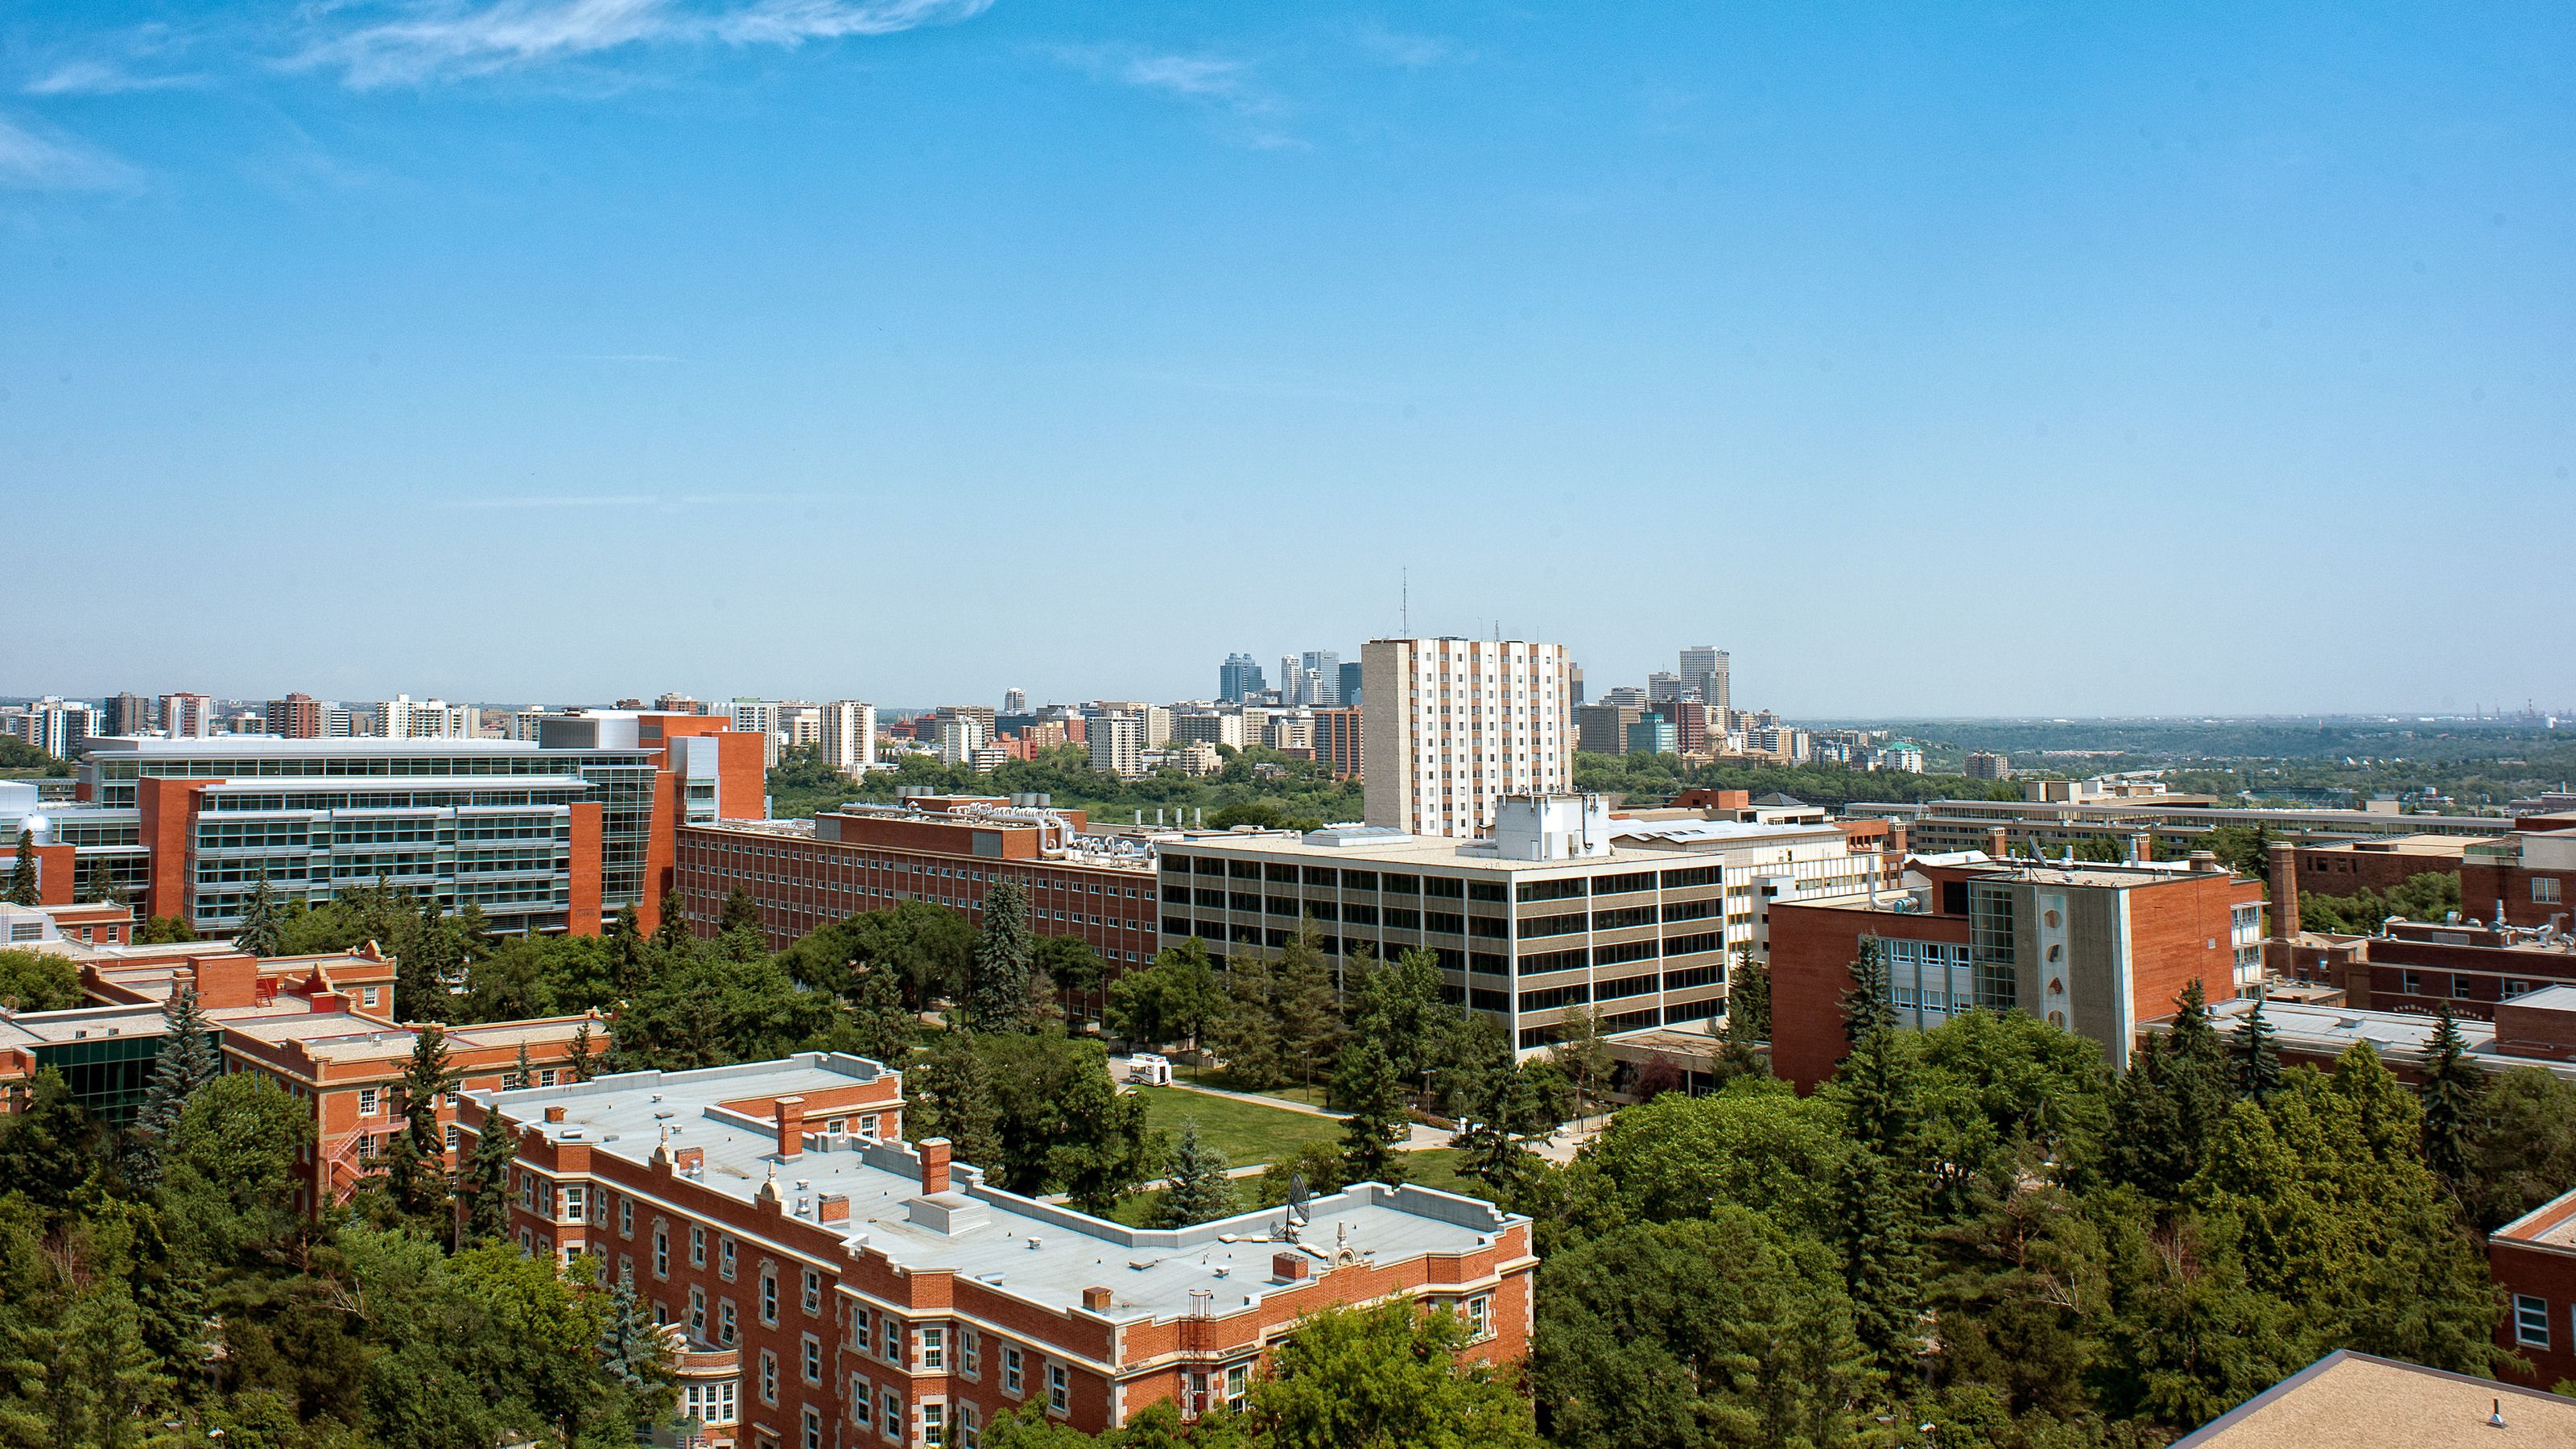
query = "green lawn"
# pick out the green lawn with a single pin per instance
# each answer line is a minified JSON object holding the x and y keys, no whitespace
{"x":1439,"y":1168}
{"x":1312,"y":1096}
{"x":1246,"y":1132}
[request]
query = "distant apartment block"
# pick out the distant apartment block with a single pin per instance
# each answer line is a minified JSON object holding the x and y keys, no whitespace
{"x":1986,"y":765}
{"x":1454,"y":725}
{"x":188,"y":716}
{"x":60,"y":727}
{"x":1118,"y":746}
{"x":1335,"y":738}
{"x":296,"y":717}
{"x":849,"y":736}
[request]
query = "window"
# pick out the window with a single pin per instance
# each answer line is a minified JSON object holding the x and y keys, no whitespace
{"x":813,"y":1428}
{"x":367,"y":1098}
{"x":967,"y":1435}
{"x":813,"y":1359}
{"x":1011,"y":1372}
{"x":1480,"y":1318}
{"x":724,"y":1259}
{"x":934,"y":1425}
{"x":626,"y":1217}
{"x":890,"y":1408}
{"x":661,"y":1251}
{"x":934,"y":1350}
{"x":1238,"y":1382}
{"x":724,"y":1322}
{"x":2530,"y":1321}
{"x":893,"y":1350}
{"x":698,"y":1314}
{"x":768,"y":1377}
{"x":860,"y":1319}
{"x":2544,"y":889}
{"x":1059,"y":1389}
{"x":451,"y":1137}
{"x":697,"y":1246}
{"x":970,"y":1345}
{"x":768,"y":1296}
{"x":709,"y":1403}
{"x":572,"y":1203}
{"x":813,"y":1302}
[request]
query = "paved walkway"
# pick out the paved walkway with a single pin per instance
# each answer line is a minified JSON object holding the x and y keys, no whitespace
{"x":1417,"y":1139}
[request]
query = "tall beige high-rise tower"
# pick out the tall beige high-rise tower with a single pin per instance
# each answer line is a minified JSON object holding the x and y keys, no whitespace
{"x":1449,"y":726}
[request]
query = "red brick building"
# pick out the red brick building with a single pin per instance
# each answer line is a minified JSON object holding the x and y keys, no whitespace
{"x":2096,"y":949}
{"x":2530,"y":873}
{"x":1337,"y":741}
{"x":2533,"y":1261}
{"x":833,"y":1284}
{"x":947,"y":850}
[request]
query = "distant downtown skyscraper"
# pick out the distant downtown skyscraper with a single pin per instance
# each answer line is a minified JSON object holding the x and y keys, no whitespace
{"x":1239,"y":678}
{"x":1450,"y":726}
{"x":1704,"y":670}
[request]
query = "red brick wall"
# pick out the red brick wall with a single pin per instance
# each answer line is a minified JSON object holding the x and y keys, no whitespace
{"x":1812,"y":948}
{"x":583,"y":918}
{"x":169,"y":817}
{"x":2333,"y":871}
{"x":2481,"y":886}
{"x":2546,"y":1273}
{"x":2179,"y":932}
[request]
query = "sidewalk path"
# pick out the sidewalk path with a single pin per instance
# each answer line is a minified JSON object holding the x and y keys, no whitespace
{"x":1417,"y":1138}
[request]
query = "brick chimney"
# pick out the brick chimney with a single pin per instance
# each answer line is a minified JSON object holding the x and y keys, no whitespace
{"x":1097,"y":1300}
{"x":934,"y":1165}
{"x":554,"y":1114}
{"x":791,"y":1128}
{"x":2285,"y":890}
{"x":1998,"y":845}
{"x":1290,"y":1267}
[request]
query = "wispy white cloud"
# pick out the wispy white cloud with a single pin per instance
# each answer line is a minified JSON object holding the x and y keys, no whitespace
{"x":440,"y":40}
{"x":1413,"y":52}
{"x":1226,"y":86}
{"x":102,"y":78}
{"x":34,"y":160}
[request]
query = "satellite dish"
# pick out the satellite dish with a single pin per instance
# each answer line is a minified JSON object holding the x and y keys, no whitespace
{"x":1297,"y":1197}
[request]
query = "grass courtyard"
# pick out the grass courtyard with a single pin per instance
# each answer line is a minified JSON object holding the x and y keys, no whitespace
{"x":1246,"y":1132}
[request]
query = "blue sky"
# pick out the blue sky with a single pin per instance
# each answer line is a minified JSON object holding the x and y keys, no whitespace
{"x":1996,"y":360}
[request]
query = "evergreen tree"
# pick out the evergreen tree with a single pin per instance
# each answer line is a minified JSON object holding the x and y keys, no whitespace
{"x":1870,"y":1005}
{"x":189,"y":1059}
{"x":626,"y":973}
{"x":2452,"y":1087}
{"x":630,"y":1347}
{"x":1200,"y":1191}
{"x":421,"y":990}
{"x":741,"y":913}
{"x":484,"y":1182}
{"x":999,"y":981}
{"x":258,"y":931}
{"x":882,"y":1028}
{"x":46,"y":1148}
{"x":583,"y":1066}
{"x":1244,"y":1033}
{"x":1878,"y":1207}
{"x":1304,"y":1007}
{"x":1748,"y":1001}
{"x":23,"y":890}
{"x":671,"y":932}
{"x":415,"y":1173}
{"x":2257,"y":1054}
{"x":102,"y":885}
{"x":1378,"y":1123}
{"x":519,"y":1077}
{"x":953,"y":1097}
{"x":473,"y":931}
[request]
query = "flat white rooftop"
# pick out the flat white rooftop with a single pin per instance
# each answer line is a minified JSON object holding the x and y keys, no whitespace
{"x":1041,"y":1252}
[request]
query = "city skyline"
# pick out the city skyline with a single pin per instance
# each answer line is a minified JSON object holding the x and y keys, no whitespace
{"x":2106,"y":344}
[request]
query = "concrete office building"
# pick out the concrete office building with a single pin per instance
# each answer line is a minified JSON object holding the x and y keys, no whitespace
{"x":1453,"y":725}
{"x":2171,"y":824}
{"x":1208,"y":726}
{"x":833,"y":1284}
{"x":1602,"y":729}
{"x":1704,"y":670}
{"x":849,"y":737}
{"x":1562,"y":907}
